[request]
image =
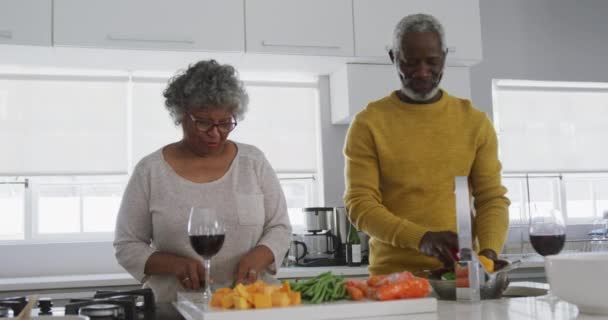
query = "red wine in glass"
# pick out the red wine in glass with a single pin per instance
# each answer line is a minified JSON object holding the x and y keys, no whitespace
{"x":547,"y":231}
{"x":547,"y":235}
{"x":207,"y":234}
{"x":207,"y":245}
{"x":547,"y":245}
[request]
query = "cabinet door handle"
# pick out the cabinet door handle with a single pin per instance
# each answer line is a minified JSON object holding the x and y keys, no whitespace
{"x":297,"y":45}
{"x":6,"y":34}
{"x":113,"y":37}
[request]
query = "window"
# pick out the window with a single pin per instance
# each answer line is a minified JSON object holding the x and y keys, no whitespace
{"x":12,"y":208}
{"x":282,"y":122}
{"x":551,"y":126}
{"x":516,"y":192}
{"x":74,"y":138}
{"x":300,"y":193}
{"x":66,"y":208}
{"x":551,"y":137}
{"x":63,"y":124}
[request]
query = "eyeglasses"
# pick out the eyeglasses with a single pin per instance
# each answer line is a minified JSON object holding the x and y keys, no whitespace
{"x":206,"y":125}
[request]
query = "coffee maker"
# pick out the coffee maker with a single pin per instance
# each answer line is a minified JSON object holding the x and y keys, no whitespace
{"x":318,"y":245}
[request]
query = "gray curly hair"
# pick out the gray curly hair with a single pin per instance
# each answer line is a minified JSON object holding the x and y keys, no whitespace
{"x":206,"y":85}
{"x":416,"y":23}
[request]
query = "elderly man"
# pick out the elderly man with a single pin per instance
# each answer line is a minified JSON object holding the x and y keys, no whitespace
{"x":403,"y":152}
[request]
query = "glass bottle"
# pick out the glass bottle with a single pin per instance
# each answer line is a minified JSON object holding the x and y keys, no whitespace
{"x":353,"y":247}
{"x":599,"y":233}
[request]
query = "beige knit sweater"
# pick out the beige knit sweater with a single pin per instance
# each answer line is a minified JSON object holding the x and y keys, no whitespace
{"x":154,"y":213}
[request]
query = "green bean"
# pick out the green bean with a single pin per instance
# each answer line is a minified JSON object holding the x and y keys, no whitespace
{"x":322,"y":288}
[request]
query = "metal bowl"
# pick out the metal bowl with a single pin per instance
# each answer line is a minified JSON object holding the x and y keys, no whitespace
{"x":496,"y":283}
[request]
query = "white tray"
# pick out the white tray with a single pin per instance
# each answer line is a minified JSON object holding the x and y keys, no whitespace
{"x":406,"y":309}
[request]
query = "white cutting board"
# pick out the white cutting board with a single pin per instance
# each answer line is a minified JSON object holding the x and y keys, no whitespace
{"x":405,"y":309}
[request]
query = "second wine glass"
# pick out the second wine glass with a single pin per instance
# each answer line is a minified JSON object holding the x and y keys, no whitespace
{"x":547,"y":236}
{"x":207,"y":234}
{"x":547,"y":231}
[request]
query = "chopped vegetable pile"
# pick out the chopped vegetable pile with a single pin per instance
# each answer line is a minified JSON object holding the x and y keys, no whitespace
{"x":322,"y":288}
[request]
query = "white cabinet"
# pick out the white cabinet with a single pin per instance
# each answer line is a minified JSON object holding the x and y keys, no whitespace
{"x":375,"y":20}
{"x":354,"y":86}
{"x":311,"y":27}
{"x":25,"y":22}
{"x":197,"y":25}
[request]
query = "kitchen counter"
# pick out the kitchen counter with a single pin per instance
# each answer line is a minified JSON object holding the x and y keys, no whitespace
{"x":532,"y":267}
{"x":502,"y":309}
{"x":125,"y":279}
{"x":531,"y":308}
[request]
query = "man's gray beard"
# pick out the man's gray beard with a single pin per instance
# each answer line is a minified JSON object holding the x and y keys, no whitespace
{"x":419,"y":97}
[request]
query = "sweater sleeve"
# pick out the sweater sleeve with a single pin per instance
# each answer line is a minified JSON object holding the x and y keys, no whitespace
{"x":491,"y":204}
{"x":133,"y":233}
{"x":363,"y":197}
{"x":277,"y":228}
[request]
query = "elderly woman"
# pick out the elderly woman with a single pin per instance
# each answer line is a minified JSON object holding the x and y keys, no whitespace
{"x":203,"y":169}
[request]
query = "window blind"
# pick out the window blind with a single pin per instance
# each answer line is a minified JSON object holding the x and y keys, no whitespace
{"x":52,"y":125}
{"x":551,"y":126}
{"x":152,"y":126}
{"x":281,"y":120}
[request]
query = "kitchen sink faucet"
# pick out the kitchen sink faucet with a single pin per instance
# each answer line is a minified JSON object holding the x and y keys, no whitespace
{"x":468,"y":258}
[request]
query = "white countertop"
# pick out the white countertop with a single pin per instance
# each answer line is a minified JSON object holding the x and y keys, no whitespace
{"x":125,"y":279}
{"x":503,"y":309}
{"x":530,"y":308}
{"x":512,"y":309}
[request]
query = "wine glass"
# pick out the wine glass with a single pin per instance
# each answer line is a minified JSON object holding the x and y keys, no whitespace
{"x":547,"y":231}
{"x":207,"y":233}
{"x":547,"y":234}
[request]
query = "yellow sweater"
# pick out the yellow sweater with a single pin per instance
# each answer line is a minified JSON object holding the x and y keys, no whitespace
{"x":401,"y":160}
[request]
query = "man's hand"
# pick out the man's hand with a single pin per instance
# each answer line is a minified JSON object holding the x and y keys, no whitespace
{"x":489,"y":253}
{"x":442,"y":245}
{"x":252,"y":264}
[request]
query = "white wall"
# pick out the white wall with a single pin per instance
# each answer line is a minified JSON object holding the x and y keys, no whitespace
{"x":332,"y":139}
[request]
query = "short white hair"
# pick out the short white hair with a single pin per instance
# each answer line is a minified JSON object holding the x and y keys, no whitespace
{"x":416,"y":23}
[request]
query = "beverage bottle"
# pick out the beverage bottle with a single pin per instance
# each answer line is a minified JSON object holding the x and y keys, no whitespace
{"x":598,"y":233}
{"x":353,"y":247}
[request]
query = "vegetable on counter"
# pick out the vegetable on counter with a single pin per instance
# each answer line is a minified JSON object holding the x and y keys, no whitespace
{"x":257,"y":295}
{"x":448,"y":276}
{"x":487,"y":263}
{"x":401,"y":285}
{"x":322,"y":288}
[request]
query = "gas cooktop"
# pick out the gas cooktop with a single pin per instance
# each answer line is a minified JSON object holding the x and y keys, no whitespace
{"x":114,"y":305}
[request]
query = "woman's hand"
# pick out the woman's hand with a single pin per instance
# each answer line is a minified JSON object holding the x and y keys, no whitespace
{"x":189,"y":272}
{"x":253,"y":263}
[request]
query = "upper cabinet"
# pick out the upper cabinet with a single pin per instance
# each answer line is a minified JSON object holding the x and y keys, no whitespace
{"x":197,"y":25}
{"x":375,"y":21}
{"x":311,"y":27}
{"x":25,"y":22}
